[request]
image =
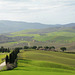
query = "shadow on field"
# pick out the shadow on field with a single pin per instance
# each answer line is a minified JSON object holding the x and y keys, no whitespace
{"x":25,"y":61}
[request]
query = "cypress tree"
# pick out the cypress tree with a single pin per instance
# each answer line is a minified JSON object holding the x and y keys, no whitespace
{"x":7,"y":59}
{"x":11,"y":58}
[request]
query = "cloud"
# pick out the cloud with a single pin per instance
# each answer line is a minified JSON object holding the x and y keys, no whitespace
{"x":21,"y":6}
{"x":38,"y":10}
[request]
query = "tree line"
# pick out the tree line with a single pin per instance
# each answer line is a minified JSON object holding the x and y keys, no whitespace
{"x":2,"y":49}
{"x":45,"y":48}
{"x":12,"y":59}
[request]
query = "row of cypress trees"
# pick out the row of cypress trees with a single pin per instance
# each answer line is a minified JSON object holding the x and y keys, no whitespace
{"x":12,"y":57}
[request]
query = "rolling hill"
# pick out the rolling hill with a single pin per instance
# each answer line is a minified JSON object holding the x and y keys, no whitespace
{"x":34,"y":62}
{"x":23,"y":33}
{"x":53,"y":36}
{"x":12,"y":26}
{"x":7,"y":26}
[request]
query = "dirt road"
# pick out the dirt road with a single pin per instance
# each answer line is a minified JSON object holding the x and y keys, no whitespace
{"x":2,"y":65}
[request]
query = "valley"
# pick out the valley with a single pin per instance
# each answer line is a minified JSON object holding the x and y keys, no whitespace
{"x":41,"y":61}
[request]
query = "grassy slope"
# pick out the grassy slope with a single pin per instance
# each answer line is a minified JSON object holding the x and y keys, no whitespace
{"x":43,"y":63}
{"x":58,"y":36}
{"x":58,"y":57}
{"x":25,"y":31}
{"x":46,"y":61}
{"x":33,"y":73}
{"x":2,"y":55}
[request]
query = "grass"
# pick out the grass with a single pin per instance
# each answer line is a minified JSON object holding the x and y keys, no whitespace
{"x":44,"y":63}
{"x":24,"y":31}
{"x":2,"y":55}
{"x":33,"y":73}
{"x":57,"y":36}
{"x":52,"y":36}
{"x":33,"y":62}
{"x":29,"y":35}
{"x":57,"y":57}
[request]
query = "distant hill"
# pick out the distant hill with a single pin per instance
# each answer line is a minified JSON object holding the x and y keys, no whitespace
{"x":54,"y":36}
{"x":13,"y":26}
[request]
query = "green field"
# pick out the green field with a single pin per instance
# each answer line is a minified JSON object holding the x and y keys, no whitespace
{"x":33,"y":73}
{"x":57,"y":36}
{"x":46,"y":61}
{"x":25,"y":31}
{"x":34,"y":62}
{"x":2,"y":55}
{"x":56,"y":57}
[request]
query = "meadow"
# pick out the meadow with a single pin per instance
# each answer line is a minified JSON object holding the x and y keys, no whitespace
{"x":57,"y":36}
{"x":2,"y":55}
{"x":34,"y":62}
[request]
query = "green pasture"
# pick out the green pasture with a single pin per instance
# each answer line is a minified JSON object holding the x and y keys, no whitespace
{"x":24,"y":31}
{"x":29,"y":35}
{"x":57,"y":57}
{"x":34,"y":62}
{"x":60,"y":36}
{"x":57,"y":36}
{"x":9,"y":44}
{"x":46,"y":63}
{"x":12,"y":44}
{"x":2,"y":55}
{"x":21,"y":72}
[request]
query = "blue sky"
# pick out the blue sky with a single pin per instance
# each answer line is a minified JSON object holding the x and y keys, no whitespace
{"x":43,"y":11}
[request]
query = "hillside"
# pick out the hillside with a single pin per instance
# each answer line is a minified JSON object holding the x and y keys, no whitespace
{"x":49,"y":35}
{"x":58,"y":37}
{"x":33,"y":62}
{"x":12,"y":26}
{"x":7,"y":26}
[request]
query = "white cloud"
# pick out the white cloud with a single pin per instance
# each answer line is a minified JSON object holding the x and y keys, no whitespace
{"x":45,"y":11}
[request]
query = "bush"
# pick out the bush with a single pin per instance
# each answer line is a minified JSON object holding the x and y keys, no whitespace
{"x":34,"y":47}
{"x":63,"y":49}
{"x":26,"y":47}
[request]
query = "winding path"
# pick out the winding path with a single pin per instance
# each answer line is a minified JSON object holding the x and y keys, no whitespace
{"x":2,"y":65}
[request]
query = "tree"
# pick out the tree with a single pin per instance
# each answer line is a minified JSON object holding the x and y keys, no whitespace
{"x":46,"y":47}
{"x":63,"y":49}
{"x":26,"y":47}
{"x":11,"y":58}
{"x":52,"y":48}
{"x":7,"y":59}
{"x":34,"y":47}
{"x":8,"y":50}
{"x":40,"y":47}
{"x":2,"y":49}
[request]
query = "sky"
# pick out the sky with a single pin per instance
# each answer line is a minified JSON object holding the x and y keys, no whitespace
{"x":42,"y":11}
